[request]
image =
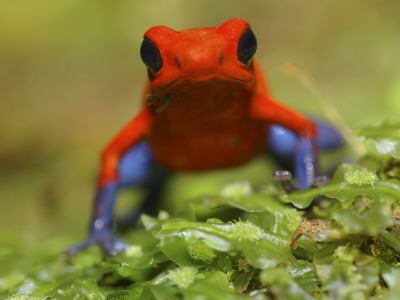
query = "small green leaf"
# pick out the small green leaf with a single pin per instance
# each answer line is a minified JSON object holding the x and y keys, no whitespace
{"x":303,"y":272}
{"x":369,"y":222}
{"x":385,"y":137}
{"x":260,"y":248}
{"x":213,"y":286}
{"x":392,"y":238}
{"x":341,"y":190}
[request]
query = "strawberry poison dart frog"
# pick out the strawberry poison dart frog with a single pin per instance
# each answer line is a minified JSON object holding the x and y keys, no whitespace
{"x":205,"y":106}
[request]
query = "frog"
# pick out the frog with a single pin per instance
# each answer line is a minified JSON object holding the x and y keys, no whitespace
{"x":205,"y":106}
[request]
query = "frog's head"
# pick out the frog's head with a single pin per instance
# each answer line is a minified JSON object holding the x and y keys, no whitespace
{"x":199,"y":55}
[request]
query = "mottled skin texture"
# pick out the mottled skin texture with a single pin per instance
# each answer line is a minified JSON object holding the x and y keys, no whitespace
{"x":204,"y":109}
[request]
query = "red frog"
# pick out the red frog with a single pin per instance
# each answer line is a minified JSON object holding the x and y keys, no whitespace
{"x":206,"y":105}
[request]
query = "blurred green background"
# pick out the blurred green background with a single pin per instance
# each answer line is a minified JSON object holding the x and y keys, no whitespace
{"x":71,"y":77}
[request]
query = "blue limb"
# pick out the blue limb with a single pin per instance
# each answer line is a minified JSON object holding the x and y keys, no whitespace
{"x":134,"y":169}
{"x":328,"y":138}
{"x":100,"y":226}
{"x":305,"y":163}
{"x":291,"y":150}
{"x":282,"y":141}
{"x":138,"y":168}
{"x":154,"y":186}
{"x":134,"y":165}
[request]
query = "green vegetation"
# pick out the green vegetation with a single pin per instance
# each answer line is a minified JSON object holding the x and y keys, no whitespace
{"x":337,"y":241}
{"x":71,"y":77}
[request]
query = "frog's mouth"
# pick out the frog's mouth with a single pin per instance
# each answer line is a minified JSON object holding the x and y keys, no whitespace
{"x":201,"y":80}
{"x":207,"y":92}
{"x":169,"y":79}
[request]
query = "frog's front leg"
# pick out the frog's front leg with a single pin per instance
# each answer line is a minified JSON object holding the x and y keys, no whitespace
{"x":288,"y":147}
{"x":265,"y":108}
{"x":138,"y":168}
{"x":100,"y":226}
{"x":109,"y":182}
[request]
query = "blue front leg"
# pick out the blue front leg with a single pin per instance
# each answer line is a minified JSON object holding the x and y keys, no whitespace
{"x":100,"y":226}
{"x":305,"y":163}
{"x":288,"y":147}
{"x":134,"y":169}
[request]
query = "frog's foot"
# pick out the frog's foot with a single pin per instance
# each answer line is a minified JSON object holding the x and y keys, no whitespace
{"x":285,"y":177}
{"x":70,"y":251}
{"x":320,"y":181}
{"x":106,"y":239}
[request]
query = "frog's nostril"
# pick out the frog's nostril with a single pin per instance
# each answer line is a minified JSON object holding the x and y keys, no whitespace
{"x":178,"y":62}
{"x":200,"y":75}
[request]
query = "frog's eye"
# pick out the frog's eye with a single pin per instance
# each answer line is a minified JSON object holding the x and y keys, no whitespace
{"x":151,"y":55}
{"x":247,"y":46}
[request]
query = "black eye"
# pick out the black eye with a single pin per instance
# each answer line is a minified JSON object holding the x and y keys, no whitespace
{"x":246,"y":46}
{"x":151,"y":55}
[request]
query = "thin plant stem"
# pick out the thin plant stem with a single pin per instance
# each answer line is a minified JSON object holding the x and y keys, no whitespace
{"x":327,"y":106}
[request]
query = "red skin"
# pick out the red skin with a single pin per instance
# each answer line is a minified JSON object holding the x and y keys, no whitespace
{"x":219,"y":109}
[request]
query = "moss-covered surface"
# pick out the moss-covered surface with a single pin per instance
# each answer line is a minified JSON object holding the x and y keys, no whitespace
{"x":338,"y":241}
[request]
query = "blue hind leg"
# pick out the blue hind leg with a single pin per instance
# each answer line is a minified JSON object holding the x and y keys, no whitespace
{"x":293,"y":150}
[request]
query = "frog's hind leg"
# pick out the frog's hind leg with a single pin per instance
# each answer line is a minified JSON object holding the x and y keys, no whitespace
{"x":299,"y":154}
{"x":137,"y":168}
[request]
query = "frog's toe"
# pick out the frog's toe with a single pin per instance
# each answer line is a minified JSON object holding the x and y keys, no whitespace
{"x":320,"y":181}
{"x":77,"y":247}
{"x":282,"y":175}
{"x":109,"y":242}
{"x":114,"y":246}
{"x":285,"y":178}
{"x":106,"y":239}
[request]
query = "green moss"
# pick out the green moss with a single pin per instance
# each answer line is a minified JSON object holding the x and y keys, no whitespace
{"x":245,"y":231}
{"x":347,"y":248}
{"x":294,"y":218}
{"x":346,"y":253}
{"x":182,"y":277}
{"x":200,"y":251}
{"x":279,"y":276}
{"x":360,"y":177}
